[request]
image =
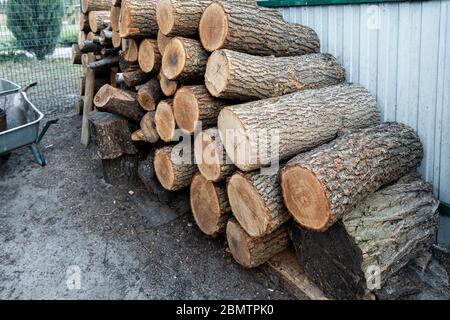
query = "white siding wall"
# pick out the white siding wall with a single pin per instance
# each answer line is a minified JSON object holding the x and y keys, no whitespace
{"x":401,"y":53}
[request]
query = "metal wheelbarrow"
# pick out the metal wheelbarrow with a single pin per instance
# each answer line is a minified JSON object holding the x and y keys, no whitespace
{"x":22,"y":122}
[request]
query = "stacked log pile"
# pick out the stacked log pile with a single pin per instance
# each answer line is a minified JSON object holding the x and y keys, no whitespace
{"x":277,"y":149}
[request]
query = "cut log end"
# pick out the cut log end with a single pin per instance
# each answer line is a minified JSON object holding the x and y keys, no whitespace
{"x":146,"y":56}
{"x":207,"y":156}
{"x":162,"y":40}
{"x":168,"y":87}
{"x":205,"y":205}
{"x":116,"y":39}
{"x":164,"y":170}
{"x":305,"y":198}
{"x":103,"y":95}
{"x":165,"y":16}
{"x":236,"y":237}
{"x":148,"y":127}
{"x":217,"y":73}
{"x":174,"y":59}
{"x":165,"y":121}
{"x":247,"y":205}
{"x":125,"y":22}
{"x":186,"y":110}
{"x":213,"y":27}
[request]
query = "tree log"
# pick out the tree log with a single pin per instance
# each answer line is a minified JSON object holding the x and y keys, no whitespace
{"x":116,"y":40}
{"x":384,"y":232}
{"x":99,"y":20}
{"x":255,"y":30}
{"x":100,"y":81}
{"x":95,"y":5}
{"x":84,"y":22}
{"x":118,"y":101}
{"x":138,"y":135}
{"x":209,"y":204}
{"x":252,"y":252}
{"x":149,"y":57}
{"x":184,"y":59}
{"x":106,"y":38}
{"x":131,"y":52}
{"x":168,"y":87}
{"x":105,"y":62}
{"x":240,"y":76}
{"x":148,"y":127}
{"x":257,"y":202}
{"x":193,"y":104}
{"x":211,"y":157}
{"x":135,"y":77}
{"x":150,"y":94}
{"x":174,"y":167}
{"x":162,"y":40}
{"x":321,"y":186}
{"x":138,"y":19}
{"x":121,"y":171}
{"x":76,"y":54}
{"x":115,"y":18}
{"x":165,"y":121}
{"x":89,"y":46}
{"x":299,"y":121}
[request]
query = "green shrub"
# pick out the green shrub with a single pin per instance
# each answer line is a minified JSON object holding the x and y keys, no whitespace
{"x":36,"y":24}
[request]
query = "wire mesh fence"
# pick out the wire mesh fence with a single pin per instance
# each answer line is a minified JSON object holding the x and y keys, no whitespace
{"x":35,"y":46}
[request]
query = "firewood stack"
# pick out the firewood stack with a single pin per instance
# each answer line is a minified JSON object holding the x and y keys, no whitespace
{"x":283,"y":152}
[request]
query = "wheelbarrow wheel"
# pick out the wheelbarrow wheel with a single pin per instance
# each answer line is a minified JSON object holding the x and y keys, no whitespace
{"x":4,"y":158}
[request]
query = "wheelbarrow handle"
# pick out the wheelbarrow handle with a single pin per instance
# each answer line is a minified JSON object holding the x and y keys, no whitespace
{"x":44,"y":130}
{"x":28,"y":87}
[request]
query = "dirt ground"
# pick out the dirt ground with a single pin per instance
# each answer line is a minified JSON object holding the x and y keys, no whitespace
{"x":66,"y":234}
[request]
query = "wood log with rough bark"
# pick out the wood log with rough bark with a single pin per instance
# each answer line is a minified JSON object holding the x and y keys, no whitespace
{"x":149,"y":57}
{"x":99,"y":20}
{"x":95,"y":5}
{"x":89,"y":46}
{"x":322,"y":185}
{"x":131,"y":53}
{"x":247,"y":28}
{"x":116,"y":40}
{"x":168,"y":87}
{"x":174,"y":166}
{"x":100,"y":81}
{"x":109,"y":61}
{"x":135,"y":76}
{"x":240,"y":76}
{"x":373,"y":241}
{"x":76,"y":54}
{"x":118,"y":101}
{"x":258,"y":133}
{"x":150,"y":94}
{"x":165,"y":121}
{"x":184,"y":59}
{"x":148,"y":127}
{"x":252,"y":252}
{"x":211,"y":157}
{"x":106,"y":39}
{"x":84,"y":22}
{"x":138,"y":19}
{"x":209,"y":205}
{"x":115,"y":18}
{"x":193,"y":104}
{"x":257,"y":202}
{"x":162,"y":41}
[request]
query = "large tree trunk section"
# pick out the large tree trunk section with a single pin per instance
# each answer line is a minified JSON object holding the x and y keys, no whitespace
{"x":165,"y":121}
{"x":138,"y":19}
{"x":76,"y":54}
{"x":209,"y":204}
{"x":95,"y":5}
{"x":115,"y":18}
{"x":168,"y":87}
{"x":149,"y":95}
{"x":301,"y":121}
{"x":184,"y":59}
{"x":116,"y":40}
{"x":162,"y":40}
{"x":240,"y":76}
{"x":247,"y":28}
{"x":172,"y":172}
{"x":321,"y":186}
{"x":131,"y":53}
{"x":193,"y":104}
{"x":84,"y":22}
{"x":252,"y":252}
{"x":121,"y":171}
{"x":211,"y":157}
{"x":257,"y":202}
{"x":148,"y":127}
{"x":118,"y":101}
{"x":149,"y":56}
{"x":99,"y":20}
{"x":384,"y":232}
{"x":179,"y":17}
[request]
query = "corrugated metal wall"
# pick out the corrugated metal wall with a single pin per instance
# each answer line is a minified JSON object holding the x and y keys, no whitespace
{"x":401,"y":53}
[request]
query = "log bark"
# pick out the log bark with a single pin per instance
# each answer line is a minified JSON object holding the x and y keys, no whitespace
{"x":193,"y":104}
{"x":255,"y":30}
{"x":165,"y":121}
{"x":209,"y":205}
{"x":105,"y":62}
{"x":135,"y":77}
{"x":149,"y":57}
{"x":384,"y":232}
{"x":184,"y":59}
{"x":211,"y":157}
{"x":148,"y":127}
{"x":150,"y":94}
{"x":321,"y":186}
{"x":252,"y":252}
{"x":100,"y":81}
{"x":174,"y":167}
{"x":168,"y":87}
{"x":89,"y":46}
{"x":95,"y":5}
{"x":115,"y":18}
{"x":240,"y":76}
{"x":118,"y":101}
{"x":138,"y":19}
{"x":106,"y":38}
{"x":162,"y":40}
{"x":99,"y":20}
{"x":84,"y":22}
{"x":258,"y":133}
{"x":121,"y":171}
{"x":257,"y":202}
{"x":76,"y":54}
